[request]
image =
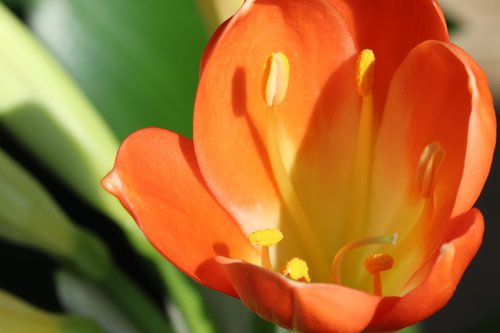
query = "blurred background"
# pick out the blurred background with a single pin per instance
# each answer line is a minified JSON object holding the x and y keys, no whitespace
{"x":67,"y":247}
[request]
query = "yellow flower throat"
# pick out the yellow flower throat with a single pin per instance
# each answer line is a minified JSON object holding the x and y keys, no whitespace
{"x":274,"y":88}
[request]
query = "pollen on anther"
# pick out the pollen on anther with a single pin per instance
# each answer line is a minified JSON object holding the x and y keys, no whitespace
{"x":297,"y":269}
{"x":365,"y":72}
{"x":378,"y":263}
{"x":275,"y":78}
{"x":265,"y":237}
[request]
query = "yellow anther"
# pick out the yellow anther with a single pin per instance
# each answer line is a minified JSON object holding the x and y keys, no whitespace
{"x":265,"y":237}
{"x":378,"y":263}
{"x":374,"y":265}
{"x":275,"y":78}
{"x":296,"y":269}
{"x":429,"y":164}
{"x":365,"y":72}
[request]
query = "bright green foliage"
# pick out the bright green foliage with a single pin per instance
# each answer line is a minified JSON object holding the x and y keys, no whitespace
{"x":137,"y":60}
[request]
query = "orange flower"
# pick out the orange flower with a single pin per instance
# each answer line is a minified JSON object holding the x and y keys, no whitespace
{"x":322,"y":130}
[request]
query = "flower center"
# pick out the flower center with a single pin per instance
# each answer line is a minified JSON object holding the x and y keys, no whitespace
{"x":276,"y":75}
{"x":298,"y":270}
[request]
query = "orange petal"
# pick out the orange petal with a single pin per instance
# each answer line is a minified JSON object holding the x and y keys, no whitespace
{"x":481,"y":135}
{"x":320,"y":307}
{"x":447,"y":268}
{"x":438,"y":97}
{"x":391,"y":28}
{"x":231,"y":115}
{"x":434,"y":97}
{"x":300,"y":306}
{"x":157,"y":179}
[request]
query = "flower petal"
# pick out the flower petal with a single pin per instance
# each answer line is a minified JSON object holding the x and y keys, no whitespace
{"x":391,"y":28}
{"x":314,"y":307}
{"x":447,"y":268}
{"x":157,"y":179}
{"x":481,"y":135}
{"x":434,"y":97}
{"x":230,"y":104}
{"x":318,"y":307}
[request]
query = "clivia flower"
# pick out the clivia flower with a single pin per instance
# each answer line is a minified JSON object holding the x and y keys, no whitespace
{"x":338,"y":149}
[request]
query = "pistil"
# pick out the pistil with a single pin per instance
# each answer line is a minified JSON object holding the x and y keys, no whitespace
{"x":339,"y":256}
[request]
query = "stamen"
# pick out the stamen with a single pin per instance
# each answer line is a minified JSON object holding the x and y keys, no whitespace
{"x":378,"y":263}
{"x":365,"y":72}
{"x":363,"y":158}
{"x":296,"y":269}
{"x":275,"y":78}
{"x":265,"y":238}
{"x":339,"y":256}
{"x":374,"y":265}
{"x":275,"y":82}
{"x":429,"y":164}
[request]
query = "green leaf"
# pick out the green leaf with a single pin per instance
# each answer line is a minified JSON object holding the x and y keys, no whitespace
{"x":17,"y":316}
{"x":137,"y":60}
{"x":85,"y":299}
{"x":215,"y":12}
{"x":412,"y":329}
{"x":28,"y":216}
{"x":47,"y":113}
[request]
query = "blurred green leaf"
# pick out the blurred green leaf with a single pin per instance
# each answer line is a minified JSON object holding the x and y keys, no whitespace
{"x":137,"y":60}
{"x":48,"y":114}
{"x":454,"y":25}
{"x":45,"y":111}
{"x":412,"y":329}
{"x":28,"y":216}
{"x":215,"y":12}
{"x":17,"y":316}
{"x":85,"y":299}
